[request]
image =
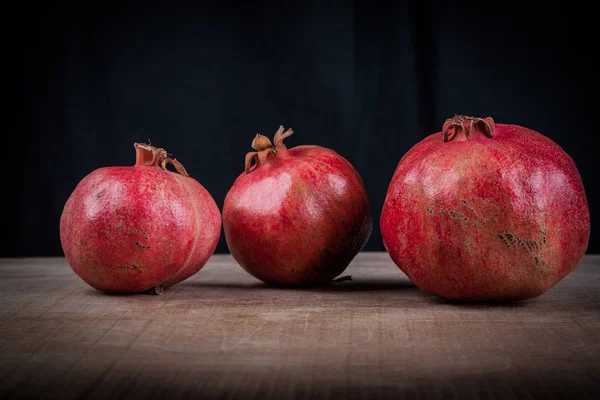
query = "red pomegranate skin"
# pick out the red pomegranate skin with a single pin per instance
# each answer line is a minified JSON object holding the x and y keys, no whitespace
{"x":487,"y":218}
{"x":299,"y":218}
{"x":131,"y":229}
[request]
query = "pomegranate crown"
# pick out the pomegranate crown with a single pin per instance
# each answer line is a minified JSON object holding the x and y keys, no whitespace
{"x":462,"y":123}
{"x":147,"y":155}
{"x":264,"y":147}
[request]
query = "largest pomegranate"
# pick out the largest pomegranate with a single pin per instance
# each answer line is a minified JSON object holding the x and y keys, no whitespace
{"x":485,"y":211}
{"x":140,"y":228}
{"x":298,"y":216}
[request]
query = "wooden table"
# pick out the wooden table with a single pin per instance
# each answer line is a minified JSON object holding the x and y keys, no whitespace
{"x":223,"y":334}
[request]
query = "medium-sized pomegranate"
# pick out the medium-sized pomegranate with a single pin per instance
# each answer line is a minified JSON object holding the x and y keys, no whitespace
{"x":141,"y":228}
{"x":298,"y":216}
{"x":485,"y":211}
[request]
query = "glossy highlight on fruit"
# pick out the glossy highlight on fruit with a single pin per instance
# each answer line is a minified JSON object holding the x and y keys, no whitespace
{"x":298,"y":216}
{"x":486,"y":211}
{"x":141,"y":228}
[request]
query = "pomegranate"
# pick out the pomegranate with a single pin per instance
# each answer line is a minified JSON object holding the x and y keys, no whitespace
{"x":485,"y":211}
{"x":298,"y":216}
{"x":141,"y":228}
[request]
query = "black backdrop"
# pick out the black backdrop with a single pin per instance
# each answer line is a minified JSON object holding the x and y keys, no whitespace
{"x":202,"y":80}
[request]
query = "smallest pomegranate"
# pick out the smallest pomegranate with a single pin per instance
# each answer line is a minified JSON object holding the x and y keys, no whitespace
{"x":141,"y":228}
{"x":298,"y":216}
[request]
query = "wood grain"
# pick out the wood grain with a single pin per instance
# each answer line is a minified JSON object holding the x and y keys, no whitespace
{"x":224,"y":335}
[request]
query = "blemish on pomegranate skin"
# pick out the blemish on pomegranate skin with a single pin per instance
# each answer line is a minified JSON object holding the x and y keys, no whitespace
{"x":141,"y":246}
{"x":544,"y":236}
{"x":134,"y":267}
{"x":503,"y":239}
{"x":511,"y":238}
{"x":529,"y":245}
{"x":144,"y":234}
{"x":458,"y":215}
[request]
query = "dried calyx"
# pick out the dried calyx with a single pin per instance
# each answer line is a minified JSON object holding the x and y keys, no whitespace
{"x":150,"y":156}
{"x":463,"y":123}
{"x":264,"y":147}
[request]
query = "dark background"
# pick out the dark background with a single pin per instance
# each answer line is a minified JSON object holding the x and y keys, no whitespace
{"x":367,"y":80}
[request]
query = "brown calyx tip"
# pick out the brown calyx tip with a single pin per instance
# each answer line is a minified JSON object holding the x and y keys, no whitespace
{"x":147,"y":155}
{"x":462,"y":123}
{"x":261,"y":142}
{"x":263,"y":147}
